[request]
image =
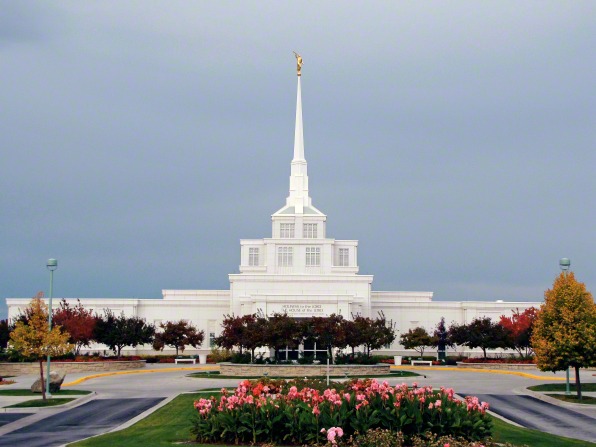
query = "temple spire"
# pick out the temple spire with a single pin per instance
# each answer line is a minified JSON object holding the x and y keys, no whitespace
{"x":299,"y":133}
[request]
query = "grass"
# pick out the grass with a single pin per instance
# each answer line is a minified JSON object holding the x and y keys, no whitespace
{"x":171,"y":424}
{"x":41,"y":403}
{"x":28,"y":392}
{"x":561,"y":387}
{"x":212,"y":375}
{"x":504,"y":432}
{"x":586,"y":400}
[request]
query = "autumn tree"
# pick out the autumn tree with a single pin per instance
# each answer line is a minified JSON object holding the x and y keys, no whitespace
{"x":519,"y":327}
{"x":282,"y":331}
{"x":481,"y":333}
{"x":178,"y":335}
{"x":236,"y":332}
{"x":418,"y":339}
{"x":328,"y":332}
{"x":116,"y":332}
{"x":565,"y":328}
{"x":352,"y":336}
{"x":78,"y":322}
{"x":375,"y":333}
{"x":35,"y":340}
{"x":255,"y":327}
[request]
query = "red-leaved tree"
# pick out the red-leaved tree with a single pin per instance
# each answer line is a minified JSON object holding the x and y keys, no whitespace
{"x":519,"y":326}
{"x":78,"y":322}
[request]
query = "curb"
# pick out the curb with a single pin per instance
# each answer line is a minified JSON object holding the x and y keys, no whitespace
{"x":145,"y":371}
{"x":478,"y":370}
{"x":73,"y":403}
{"x":551,"y":400}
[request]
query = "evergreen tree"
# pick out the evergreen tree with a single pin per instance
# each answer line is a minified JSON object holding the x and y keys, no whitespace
{"x":565,"y":328}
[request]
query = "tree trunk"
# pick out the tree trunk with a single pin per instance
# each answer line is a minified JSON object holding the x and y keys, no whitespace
{"x":578,"y":385}
{"x":484,"y":351}
{"x":43,"y":383}
{"x":176,"y":350}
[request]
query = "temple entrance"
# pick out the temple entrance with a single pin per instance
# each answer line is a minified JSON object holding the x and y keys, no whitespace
{"x":312,"y":350}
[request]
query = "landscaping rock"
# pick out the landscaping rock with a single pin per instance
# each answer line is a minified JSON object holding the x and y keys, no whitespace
{"x":56,"y":379}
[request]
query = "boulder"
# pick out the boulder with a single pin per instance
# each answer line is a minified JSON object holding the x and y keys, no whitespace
{"x":56,"y":379}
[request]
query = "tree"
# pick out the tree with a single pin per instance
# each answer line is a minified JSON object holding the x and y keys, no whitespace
{"x":116,"y":332}
{"x":231,"y":334}
{"x":178,"y":334}
{"x":240,"y":332}
{"x":255,"y":327}
{"x":480,"y":333}
{"x":281,"y":331}
{"x":418,"y":339}
{"x":352,"y":336}
{"x":565,"y":328}
{"x":328,"y":332}
{"x":375,"y":333}
{"x":519,"y":327}
{"x":5,"y":330}
{"x":35,"y":340}
{"x":78,"y":322}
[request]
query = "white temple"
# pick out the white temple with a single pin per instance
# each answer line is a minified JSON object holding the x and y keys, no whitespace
{"x":298,"y":270}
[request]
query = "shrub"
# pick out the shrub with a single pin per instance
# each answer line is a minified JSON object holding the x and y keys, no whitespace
{"x":280,"y":412}
{"x":358,"y":358}
{"x":386,"y":438}
{"x":240,"y":358}
{"x":220,"y":355}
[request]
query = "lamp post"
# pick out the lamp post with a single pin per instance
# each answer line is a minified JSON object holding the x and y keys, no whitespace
{"x":564,"y":264}
{"x":52,"y":265}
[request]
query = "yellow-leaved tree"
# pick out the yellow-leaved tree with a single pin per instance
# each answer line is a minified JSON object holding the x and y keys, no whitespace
{"x":34,"y":339}
{"x":565,"y":328}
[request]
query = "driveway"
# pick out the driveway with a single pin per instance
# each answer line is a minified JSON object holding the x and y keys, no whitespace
{"x":530,"y":412}
{"x":91,"y":418}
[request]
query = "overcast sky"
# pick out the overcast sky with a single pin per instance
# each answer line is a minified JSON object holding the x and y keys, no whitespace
{"x":140,"y":140}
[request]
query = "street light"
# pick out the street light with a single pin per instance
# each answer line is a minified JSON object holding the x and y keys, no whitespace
{"x":564,"y":264}
{"x":52,"y":265}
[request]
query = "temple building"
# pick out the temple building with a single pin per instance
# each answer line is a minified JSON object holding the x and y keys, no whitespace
{"x":299,"y":270}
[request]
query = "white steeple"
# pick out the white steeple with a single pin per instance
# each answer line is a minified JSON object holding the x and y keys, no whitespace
{"x":298,"y":197}
{"x":298,"y":202}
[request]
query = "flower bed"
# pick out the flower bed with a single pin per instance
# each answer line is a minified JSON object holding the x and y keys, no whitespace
{"x":281,"y":413}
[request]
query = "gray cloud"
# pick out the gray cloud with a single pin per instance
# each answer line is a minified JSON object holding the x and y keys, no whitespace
{"x":140,"y":142}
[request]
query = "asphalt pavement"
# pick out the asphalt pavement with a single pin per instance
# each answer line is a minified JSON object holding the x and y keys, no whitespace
{"x":530,"y":412}
{"x":91,"y":418}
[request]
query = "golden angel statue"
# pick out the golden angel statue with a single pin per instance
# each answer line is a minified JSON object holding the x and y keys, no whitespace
{"x":298,"y":63}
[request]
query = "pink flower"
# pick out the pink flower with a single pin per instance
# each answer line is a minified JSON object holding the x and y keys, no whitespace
{"x":316,"y":410}
{"x":334,"y":432}
{"x":446,"y":444}
{"x":437,"y":403}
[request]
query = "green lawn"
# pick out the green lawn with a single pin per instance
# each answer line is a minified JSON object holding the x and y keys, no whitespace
{"x":586,"y":400}
{"x":27,"y":392}
{"x":561,"y":387}
{"x":504,"y":432}
{"x":41,"y":403}
{"x":171,"y":424}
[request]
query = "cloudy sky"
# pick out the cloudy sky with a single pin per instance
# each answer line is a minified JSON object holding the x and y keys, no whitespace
{"x":140,"y":140}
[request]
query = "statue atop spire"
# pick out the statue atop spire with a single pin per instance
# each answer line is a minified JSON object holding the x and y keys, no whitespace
{"x":298,"y":63}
